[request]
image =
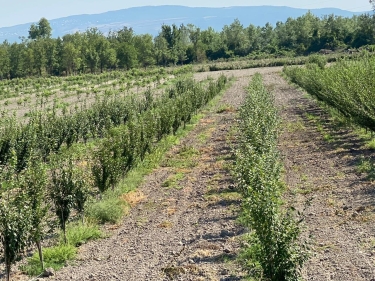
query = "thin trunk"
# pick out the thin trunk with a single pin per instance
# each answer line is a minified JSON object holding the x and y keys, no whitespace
{"x":39,"y":246}
{"x":7,"y":264}
{"x":63,"y":225}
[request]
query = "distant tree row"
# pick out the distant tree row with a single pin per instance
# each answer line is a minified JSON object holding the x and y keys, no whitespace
{"x":92,"y":51}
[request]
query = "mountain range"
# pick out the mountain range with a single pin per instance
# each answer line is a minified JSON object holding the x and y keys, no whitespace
{"x":148,"y":19}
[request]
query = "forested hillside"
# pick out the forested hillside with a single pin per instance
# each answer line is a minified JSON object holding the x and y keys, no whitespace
{"x":92,"y":51}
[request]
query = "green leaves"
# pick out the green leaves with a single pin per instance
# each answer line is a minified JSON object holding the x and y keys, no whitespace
{"x":274,"y":250}
{"x":348,"y":86}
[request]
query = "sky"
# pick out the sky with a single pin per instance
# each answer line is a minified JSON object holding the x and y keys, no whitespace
{"x":13,"y":12}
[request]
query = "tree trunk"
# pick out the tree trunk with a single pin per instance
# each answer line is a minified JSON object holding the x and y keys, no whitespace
{"x":39,"y":246}
{"x":7,"y":264}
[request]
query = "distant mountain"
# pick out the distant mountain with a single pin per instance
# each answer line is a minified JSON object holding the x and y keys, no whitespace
{"x":149,"y":19}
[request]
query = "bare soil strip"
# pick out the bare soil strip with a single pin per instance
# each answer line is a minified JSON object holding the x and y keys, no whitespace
{"x":324,"y":183}
{"x":184,"y":228}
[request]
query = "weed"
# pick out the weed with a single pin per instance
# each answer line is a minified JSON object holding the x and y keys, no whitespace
{"x":172,"y":181}
{"x":54,"y":257}
{"x":110,"y":209}
{"x":79,"y":233}
{"x":370,"y":144}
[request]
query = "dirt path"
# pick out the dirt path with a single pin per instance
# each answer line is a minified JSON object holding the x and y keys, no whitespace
{"x":185,"y":227}
{"x":324,"y":183}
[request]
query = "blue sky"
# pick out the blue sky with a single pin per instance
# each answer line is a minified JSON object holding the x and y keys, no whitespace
{"x":14,"y":12}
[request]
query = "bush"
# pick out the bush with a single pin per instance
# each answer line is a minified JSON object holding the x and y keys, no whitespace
{"x":273,"y":249}
{"x":321,"y":61}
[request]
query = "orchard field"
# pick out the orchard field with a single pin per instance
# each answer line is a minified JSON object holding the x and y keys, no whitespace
{"x":172,"y":174}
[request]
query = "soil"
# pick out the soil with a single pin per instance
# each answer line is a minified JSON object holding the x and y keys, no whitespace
{"x":321,"y":172}
{"x":183,"y":222}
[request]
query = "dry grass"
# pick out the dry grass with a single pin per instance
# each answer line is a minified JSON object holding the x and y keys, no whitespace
{"x":133,"y":198}
{"x":165,"y":224}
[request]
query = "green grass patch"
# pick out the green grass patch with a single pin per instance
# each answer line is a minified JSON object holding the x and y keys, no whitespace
{"x":295,"y":126}
{"x":79,"y":233}
{"x":110,"y":209}
{"x":225,"y":108}
{"x":172,"y":181}
{"x":54,"y":257}
{"x":203,"y":137}
{"x":370,"y":144}
{"x":185,"y":158}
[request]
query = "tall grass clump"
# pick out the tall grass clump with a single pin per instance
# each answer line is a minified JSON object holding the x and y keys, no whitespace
{"x":273,"y":250}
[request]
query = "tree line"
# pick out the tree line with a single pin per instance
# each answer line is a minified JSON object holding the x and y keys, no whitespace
{"x":92,"y":51}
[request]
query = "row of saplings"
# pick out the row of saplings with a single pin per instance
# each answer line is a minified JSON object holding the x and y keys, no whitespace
{"x":66,"y":181}
{"x":273,"y":250}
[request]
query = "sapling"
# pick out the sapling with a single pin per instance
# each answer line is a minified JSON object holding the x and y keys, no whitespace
{"x":64,"y":182}
{"x":14,"y":214}
{"x":35,"y":182}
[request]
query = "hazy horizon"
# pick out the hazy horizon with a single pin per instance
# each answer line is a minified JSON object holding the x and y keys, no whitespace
{"x":26,"y":11}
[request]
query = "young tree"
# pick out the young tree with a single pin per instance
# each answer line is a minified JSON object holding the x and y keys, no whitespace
{"x":14,"y":214}
{"x":34,"y":183}
{"x":62,"y":190}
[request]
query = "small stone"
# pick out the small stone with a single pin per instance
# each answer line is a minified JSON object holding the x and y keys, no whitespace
{"x":361,"y":209}
{"x":49,"y":272}
{"x":224,"y":233}
{"x":227,"y":250}
{"x":191,"y":261}
{"x":224,"y":271}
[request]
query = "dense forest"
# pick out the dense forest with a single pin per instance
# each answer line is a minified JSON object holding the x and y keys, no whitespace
{"x":93,"y":51}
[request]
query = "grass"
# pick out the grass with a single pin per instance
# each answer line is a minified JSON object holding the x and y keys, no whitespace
{"x":185,"y":158}
{"x":370,"y":144}
{"x":57,"y":256}
{"x":173,"y":180}
{"x":295,"y":126}
{"x":79,"y":233}
{"x":225,"y":108}
{"x":366,"y":165}
{"x":110,"y":209}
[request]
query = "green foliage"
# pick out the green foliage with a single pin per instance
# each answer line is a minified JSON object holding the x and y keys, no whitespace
{"x":79,"y":233}
{"x":66,"y":182}
{"x":274,"y":250}
{"x":110,"y":209}
{"x":347,"y":86}
{"x":16,"y":229}
{"x":123,"y":132}
{"x":92,"y":51}
{"x":318,"y":59}
{"x":55,"y":257}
